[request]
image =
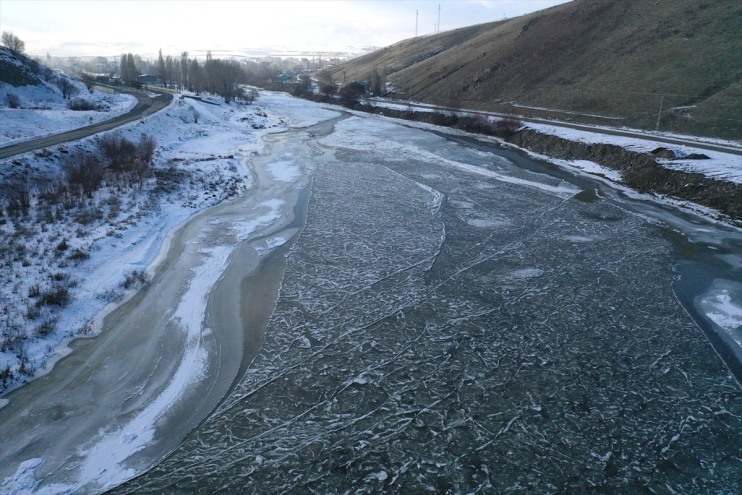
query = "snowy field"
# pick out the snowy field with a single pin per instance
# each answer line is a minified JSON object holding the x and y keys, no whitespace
{"x":213,"y":155}
{"x":720,"y":166}
{"x":23,"y":124}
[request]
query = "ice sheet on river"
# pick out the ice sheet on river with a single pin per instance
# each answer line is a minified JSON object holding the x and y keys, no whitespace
{"x":474,"y":334}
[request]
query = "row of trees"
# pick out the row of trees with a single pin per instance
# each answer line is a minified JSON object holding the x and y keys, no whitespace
{"x":217,"y":76}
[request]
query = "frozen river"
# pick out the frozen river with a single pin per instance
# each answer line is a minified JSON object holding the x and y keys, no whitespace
{"x":452,"y":318}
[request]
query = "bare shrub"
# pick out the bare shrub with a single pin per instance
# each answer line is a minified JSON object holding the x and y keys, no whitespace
{"x":86,"y":216}
{"x":33,"y":312}
{"x":16,"y":193}
{"x":507,"y":127}
{"x":6,"y":376}
{"x":12,"y":100}
{"x":136,"y":278}
{"x":57,"y":295}
{"x":79,"y":255}
{"x":70,"y":201}
{"x":140,"y":170}
{"x":52,"y":189}
{"x":443,"y":119}
{"x":84,"y":170}
{"x":80,"y":104}
{"x":114,"y":207}
{"x":476,"y":124}
{"x":118,"y":150}
{"x":46,"y":327}
{"x":62,"y":246}
{"x":147,"y":147}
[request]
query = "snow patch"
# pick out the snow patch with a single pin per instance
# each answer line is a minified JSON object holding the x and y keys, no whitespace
{"x":720,"y":166}
{"x":722,"y":304}
{"x":284,"y":171}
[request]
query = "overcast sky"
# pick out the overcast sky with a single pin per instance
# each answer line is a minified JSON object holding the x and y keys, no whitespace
{"x":108,"y":27}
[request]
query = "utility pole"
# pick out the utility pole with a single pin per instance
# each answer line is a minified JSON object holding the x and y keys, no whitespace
{"x":439,"y":18}
{"x":416,"y":14}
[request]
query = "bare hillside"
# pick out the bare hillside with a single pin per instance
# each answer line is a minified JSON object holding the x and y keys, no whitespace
{"x":618,"y":63}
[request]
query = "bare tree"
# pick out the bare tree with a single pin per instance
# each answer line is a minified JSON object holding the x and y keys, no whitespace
{"x":170,"y":71}
{"x":128,"y":69}
{"x":85,"y":171}
{"x":66,"y":87}
{"x":304,"y":86}
{"x":147,"y":147}
{"x":13,"y":42}
{"x":195,"y":76}
{"x":12,"y":100}
{"x":184,"y":70}
{"x":161,"y":72}
{"x":377,"y":83}
{"x":351,"y":93}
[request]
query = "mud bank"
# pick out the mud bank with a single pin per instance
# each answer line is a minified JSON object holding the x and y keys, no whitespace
{"x":641,"y":172}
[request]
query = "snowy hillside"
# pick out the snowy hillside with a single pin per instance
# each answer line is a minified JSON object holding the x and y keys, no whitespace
{"x":35,"y":101}
{"x":66,"y":258}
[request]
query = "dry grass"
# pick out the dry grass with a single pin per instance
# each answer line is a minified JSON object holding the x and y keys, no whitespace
{"x":586,"y":57}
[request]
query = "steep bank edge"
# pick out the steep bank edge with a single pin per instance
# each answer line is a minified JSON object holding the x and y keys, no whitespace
{"x":641,"y":172}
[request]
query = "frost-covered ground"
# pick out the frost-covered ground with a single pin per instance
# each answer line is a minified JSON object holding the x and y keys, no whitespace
{"x":95,"y":249}
{"x":42,"y":117}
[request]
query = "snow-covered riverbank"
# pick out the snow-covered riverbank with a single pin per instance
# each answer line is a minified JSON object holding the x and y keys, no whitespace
{"x":182,"y":355}
{"x":98,"y":251}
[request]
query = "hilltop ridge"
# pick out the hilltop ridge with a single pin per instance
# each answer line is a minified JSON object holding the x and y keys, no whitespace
{"x":635,"y":63}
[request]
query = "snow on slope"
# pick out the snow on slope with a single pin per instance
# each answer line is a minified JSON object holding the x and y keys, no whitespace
{"x":42,"y":109}
{"x":93,"y":249}
{"x":720,"y":166}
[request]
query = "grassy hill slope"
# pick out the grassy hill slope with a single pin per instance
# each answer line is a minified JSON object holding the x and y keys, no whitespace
{"x":621,"y":60}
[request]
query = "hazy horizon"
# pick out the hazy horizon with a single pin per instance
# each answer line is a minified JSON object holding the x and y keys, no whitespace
{"x":247,"y":28}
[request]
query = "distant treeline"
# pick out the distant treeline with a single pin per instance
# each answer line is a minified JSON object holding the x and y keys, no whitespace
{"x":216,"y":76}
